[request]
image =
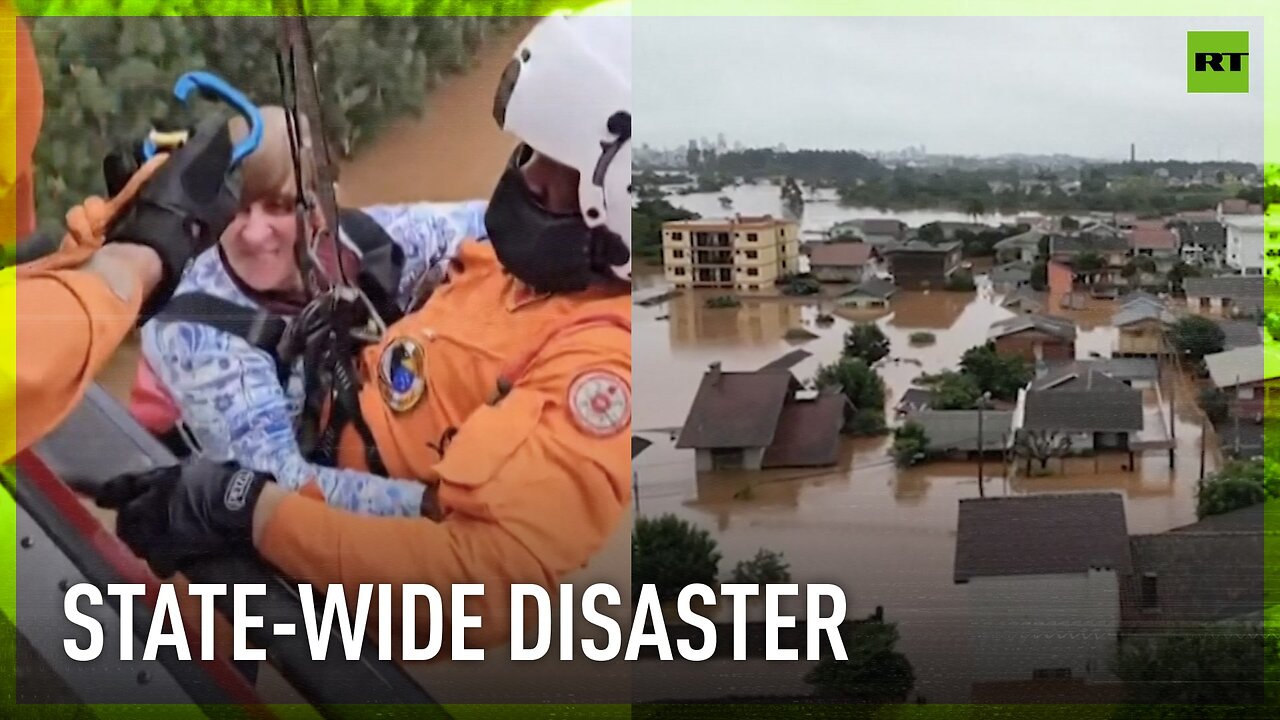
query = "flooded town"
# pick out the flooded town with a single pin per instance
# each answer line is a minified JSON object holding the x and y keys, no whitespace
{"x":1025,"y":501}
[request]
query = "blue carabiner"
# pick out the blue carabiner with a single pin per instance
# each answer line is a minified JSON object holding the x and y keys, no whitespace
{"x":215,"y":88}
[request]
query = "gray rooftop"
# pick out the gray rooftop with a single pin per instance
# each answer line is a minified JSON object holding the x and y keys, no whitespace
{"x":1056,"y":326}
{"x":1139,"y":311}
{"x":1246,"y":290}
{"x":958,"y":429}
{"x":1041,"y":535}
{"x":1080,"y":375}
{"x":1025,"y":298}
{"x":1240,"y":333}
{"x":1079,"y":244}
{"x":1013,"y":272}
{"x":1069,"y":411}
{"x":873,"y":287}
{"x":1242,"y":366}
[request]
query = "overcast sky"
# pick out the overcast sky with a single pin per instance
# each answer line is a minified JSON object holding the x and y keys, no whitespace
{"x":980,"y":86}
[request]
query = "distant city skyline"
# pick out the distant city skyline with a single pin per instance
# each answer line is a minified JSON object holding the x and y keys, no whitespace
{"x":976,"y":87}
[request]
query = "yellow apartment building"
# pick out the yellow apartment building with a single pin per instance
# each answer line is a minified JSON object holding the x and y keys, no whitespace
{"x":742,"y":253}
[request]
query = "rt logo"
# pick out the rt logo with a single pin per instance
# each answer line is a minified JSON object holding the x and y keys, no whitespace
{"x":1217,"y":62}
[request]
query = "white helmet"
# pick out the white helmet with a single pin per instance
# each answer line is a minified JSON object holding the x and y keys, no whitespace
{"x":567,"y":94}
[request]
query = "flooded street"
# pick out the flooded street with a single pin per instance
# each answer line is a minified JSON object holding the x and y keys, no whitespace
{"x":886,"y":536}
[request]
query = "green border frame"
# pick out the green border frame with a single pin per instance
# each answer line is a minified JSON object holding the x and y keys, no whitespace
{"x":1267,"y":82}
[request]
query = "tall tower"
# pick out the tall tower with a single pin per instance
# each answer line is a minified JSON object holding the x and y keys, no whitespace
{"x":1133,"y":157}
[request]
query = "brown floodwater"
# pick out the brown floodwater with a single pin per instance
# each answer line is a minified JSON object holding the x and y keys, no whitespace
{"x":885,"y":535}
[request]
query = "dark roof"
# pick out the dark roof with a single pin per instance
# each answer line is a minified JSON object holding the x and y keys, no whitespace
{"x":1141,"y":296}
{"x":1100,"y":410}
{"x":736,"y":409}
{"x":1201,"y":574}
{"x":958,"y":429}
{"x":873,"y":287}
{"x":808,"y":433}
{"x":639,"y":445}
{"x":1207,"y":234}
{"x":1078,"y":376}
{"x":1056,"y":326}
{"x":1240,"y":333}
{"x":1041,"y":535}
{"x":1242,"y":289}
{"x":788,"y":361}
{"x":839,"y":254}
{"x":916,"y":397}
{"x":1076,"y":244}
{"x":1247,"y":519}
{"x":920,"y":246}
{"x":883,"y":226}
{"x":1030,"y":238}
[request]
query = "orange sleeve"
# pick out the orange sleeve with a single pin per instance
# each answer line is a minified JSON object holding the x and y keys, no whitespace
{"x":530,"y":494}
{"x":69,"y":322}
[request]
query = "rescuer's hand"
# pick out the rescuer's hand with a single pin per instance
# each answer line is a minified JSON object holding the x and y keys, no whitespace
{"x":184,"y":206}
{"x":178,"y":514}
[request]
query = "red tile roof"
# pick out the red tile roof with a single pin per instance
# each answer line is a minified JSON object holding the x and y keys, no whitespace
{"x":1153,"y":237}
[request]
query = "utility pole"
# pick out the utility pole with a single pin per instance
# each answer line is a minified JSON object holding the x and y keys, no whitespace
{"x":1235,"y":416}
{"x":982,"y":401}
{"x":1203,"y":429}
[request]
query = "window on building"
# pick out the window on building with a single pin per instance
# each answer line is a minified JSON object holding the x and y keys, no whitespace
{"x":1244,"y":393}
{"x":680,"y":271}
{"x":677,"y":235}
{"x":752,"y":254}
{"x":1149,"y":598}
{"x":753,"y":287}
{"x":677,"y":253}
{"x":753,"y":271}
{"x":752,"y":237}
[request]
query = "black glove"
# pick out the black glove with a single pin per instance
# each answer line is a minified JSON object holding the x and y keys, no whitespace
{"x":181,"y":513}
{"x":184,"y":207}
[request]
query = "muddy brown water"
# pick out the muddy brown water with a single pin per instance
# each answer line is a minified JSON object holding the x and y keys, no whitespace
{"x":885,"y":535}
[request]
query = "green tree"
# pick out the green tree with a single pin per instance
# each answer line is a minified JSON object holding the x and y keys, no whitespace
{"x":862,"y":387}
{"x":1197,"y":336}
{"x":953,"y":391}
{"x":961,"y":281}
{"x":1179,"y":272}
{"x":1211,"y":665}
{"x":792,"y":197}
{"x":974,"y":208}
{"x":647,"y":217}
{"x":1069,"y":223}
{"x":910,"y":444}
{"x":1239,"y":484}
{"x":1040,"y":276}
{"x":1002,"y":376}
{"x":874,"y":673}
{"x":931,"y":233}
{"x":670,"y":553}
{"x":766,"y":567}
{"x":867,"y":342}
{"x":1215,"y":404}
{"x":1088,"y":263}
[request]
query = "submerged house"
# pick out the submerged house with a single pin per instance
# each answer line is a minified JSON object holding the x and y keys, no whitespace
{"x":1034,"y":337}
{"x":762,"y":419}
{"x":1095,"y":411}
{"x":1038,"y":570}
{"x":1140,"y":326}
{"x":871,"y":294}
{"x":842,"y":262}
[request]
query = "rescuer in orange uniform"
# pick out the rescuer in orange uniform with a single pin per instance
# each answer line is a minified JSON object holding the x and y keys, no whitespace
{"x":73,"y":308}
{"x":508,"y":393}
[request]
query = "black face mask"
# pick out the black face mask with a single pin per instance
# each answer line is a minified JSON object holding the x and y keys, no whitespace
{"x":549,"y":252}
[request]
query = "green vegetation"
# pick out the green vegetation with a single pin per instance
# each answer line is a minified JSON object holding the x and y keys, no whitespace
{"x":1210,"y":665}
{"x":863,"y":388}
{"x":766,"y":567}
{"x":647,"y":218}
{"x":922,"y":337}
{"x":866,"y":341}
{"x":670,"y":553}
{"x":1239,"y":484}
{"x":1197,"y":336}
{"x":799,"y":285}
{"x":961,"y":281}
{"x":723,"y":301}
{"x":1002,"y":376}
{"x":108,"y":79}
{"x":874,"y":673}
{"x":910,"y":444}
{"x":953,"y":390}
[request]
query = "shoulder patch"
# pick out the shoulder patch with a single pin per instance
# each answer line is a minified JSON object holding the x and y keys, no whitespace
{"x":600,"y":403}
